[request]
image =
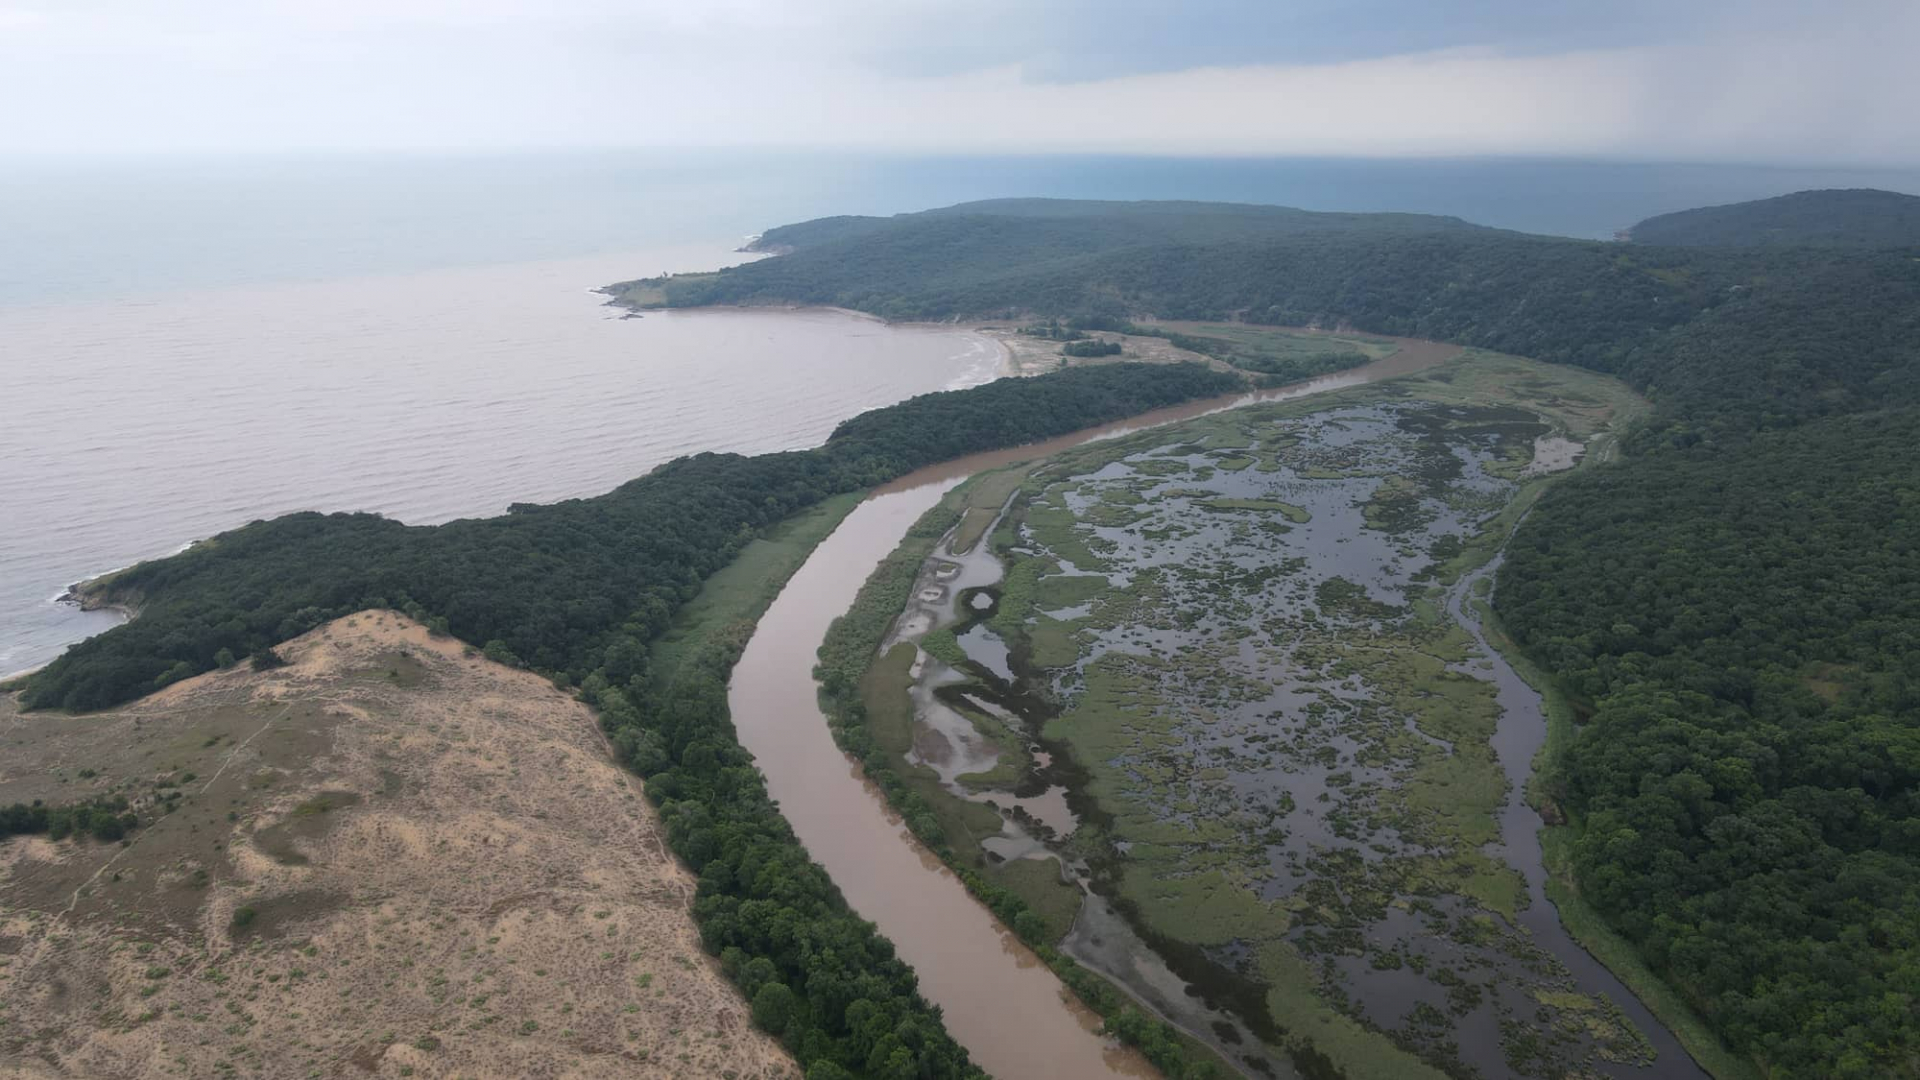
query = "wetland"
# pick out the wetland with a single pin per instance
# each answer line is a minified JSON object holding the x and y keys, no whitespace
{"x":1213,"y":701}
{"x":992,"y":985}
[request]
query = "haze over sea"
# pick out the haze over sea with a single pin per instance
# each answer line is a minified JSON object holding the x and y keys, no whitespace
{"x":188,"y":345}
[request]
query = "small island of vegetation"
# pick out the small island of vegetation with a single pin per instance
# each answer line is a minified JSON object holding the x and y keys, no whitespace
{"x":1090,"y":349}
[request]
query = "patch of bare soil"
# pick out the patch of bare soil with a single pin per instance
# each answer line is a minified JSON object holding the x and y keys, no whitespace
{"x":389,"y":858}
{"x":1028,"y":355}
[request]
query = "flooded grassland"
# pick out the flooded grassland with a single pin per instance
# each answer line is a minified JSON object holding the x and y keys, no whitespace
{"x":1199,"y":696}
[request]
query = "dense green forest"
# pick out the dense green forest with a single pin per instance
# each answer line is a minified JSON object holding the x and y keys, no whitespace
{"x":107,"y":818}
{"x":1737,"y":600}
{"x":1747,"y":626}
{"x":1092,"y":222}
{"x":1090,"y":348}
{"x":1843,"y":218}
{"x":1725,"y":340}
{"x":581,"y":589}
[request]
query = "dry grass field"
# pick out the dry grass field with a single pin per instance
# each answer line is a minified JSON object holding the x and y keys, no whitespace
{"x":390,"y":858}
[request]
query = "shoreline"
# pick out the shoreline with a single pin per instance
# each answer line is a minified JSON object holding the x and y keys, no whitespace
{"x":856,"y":365}
{"x":91,"y":593}
{"x":79,"y":597}
{"x":1023,"y":356}
{"x":9,"y":683}
{"x":87,"y":602}
{"x":988,"y":330}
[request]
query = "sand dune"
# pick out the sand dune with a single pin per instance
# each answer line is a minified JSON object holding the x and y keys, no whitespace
{"x":390,"y":857}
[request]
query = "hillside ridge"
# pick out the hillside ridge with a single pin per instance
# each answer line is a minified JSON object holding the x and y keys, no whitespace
{"x":1854,"y":218}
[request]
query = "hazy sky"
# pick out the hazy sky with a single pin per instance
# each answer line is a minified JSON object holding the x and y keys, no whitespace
{"x":1759,"y":80}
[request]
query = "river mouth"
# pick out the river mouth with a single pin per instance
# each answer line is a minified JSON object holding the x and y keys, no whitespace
{"x":1254,"y":613}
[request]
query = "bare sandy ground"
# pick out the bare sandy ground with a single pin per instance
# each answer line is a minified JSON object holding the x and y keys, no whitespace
{"x":1026,"y":355}
{"x":389,"y":858}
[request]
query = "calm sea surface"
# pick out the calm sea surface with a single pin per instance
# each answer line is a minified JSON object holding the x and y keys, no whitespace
{"x":189,"y":345}
{"x":134,"y":427}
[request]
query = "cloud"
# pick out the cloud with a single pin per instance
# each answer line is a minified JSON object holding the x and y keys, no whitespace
{"x":1754,"y":81}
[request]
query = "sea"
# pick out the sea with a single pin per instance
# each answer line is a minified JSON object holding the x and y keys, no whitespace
{"x":189,"y":344}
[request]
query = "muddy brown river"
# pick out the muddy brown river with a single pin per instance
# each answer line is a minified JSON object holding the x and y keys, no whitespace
{"x":1011,"y":1012}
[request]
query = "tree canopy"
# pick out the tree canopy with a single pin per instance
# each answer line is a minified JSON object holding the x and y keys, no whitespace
{"x":1746,"y":627}
{"x":1839,"y":218}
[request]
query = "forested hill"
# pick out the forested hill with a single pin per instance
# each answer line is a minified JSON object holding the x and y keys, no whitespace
{"x":1102,"y":225}
{"x":1730,"y":339}
{"x":1734,"y":604}
{"x":989,"y":256}
{"x":1856,"y":218}
{"x":1745,"y":628}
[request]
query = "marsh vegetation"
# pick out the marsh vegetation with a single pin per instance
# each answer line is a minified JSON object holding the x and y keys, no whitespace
{"x":1203,"y":692}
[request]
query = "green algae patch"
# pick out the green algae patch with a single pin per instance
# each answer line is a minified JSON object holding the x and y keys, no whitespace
{"x":1208,"y":907}
{"x":1344,"y":1043}
{"x":1492,"y":884}
{"x":1012,"y":760}
{"x":1067,"y":590}
{"x":1051,"y":642}
{"x":1049,"y":521}
{"x":973,"y":525}
{"x":1296,"y":514}
{"x":1038,"y":882}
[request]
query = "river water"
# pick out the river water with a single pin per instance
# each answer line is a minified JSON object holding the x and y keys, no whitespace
{"x":135,"y":427}
{"x":1009,"y":1010}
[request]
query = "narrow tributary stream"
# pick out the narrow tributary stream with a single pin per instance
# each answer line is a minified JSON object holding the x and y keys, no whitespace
{"x":1521,"y":733}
